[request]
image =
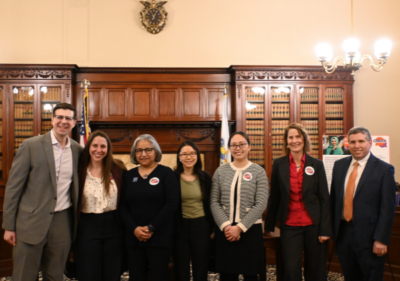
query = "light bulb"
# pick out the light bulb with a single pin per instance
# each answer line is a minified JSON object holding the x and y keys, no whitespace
{"x":44,"y":90}
{"x":47,"y":106}
{"x":258,"y":90}
{"x":383,"y":48}
{"x":351,"y":45}
{"x":250,"y":106}
{"x":31,"y":92}
{"x":324,"y":52}
{"x":301,"y":90}
{"x":15,"y":90}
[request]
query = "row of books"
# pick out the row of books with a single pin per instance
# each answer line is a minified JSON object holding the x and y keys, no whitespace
{"x":280,"y":111}
{"x":52,"y":94}
{"x":334,"y":94}
{"x":257,"y":157}
{"x":313,"y":153}
{"x":1,"y":110}
{"x":277,"y":142}
{"x":18,"y":142}
{"x":1,"y":164}
{"x":1,"y":94}
{"x":309,"y":110}
{"x":47,"y":113}
{"x":311,"y":126}
{"x":334,"y":110}
{"x":314,"y":140}
{"x":334,"y":127}
{"x":256,"y":112}
{"x":257,"y":142}
{"x":279,"y":126}
{"x":1,"y":128}
{"x":46,"y":127}
{"x":252,"y":96}
{"x":1,"y":145}
{"x":309,"y":94}
{"x":276,"y":154}
{"x":23,"y":128}
{"x":255,"y":127}
{"x":24,"y":94}
{"x":23,"y":111}
{"x":280,"y":96}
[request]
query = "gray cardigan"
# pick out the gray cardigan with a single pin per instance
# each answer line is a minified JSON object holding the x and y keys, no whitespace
{"x":252,"y":195}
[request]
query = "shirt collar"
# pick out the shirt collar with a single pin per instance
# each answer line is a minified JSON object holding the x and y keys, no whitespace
{"x":291,"y":159}
{"x":240,"y":169}
{"x":55,"y":141}
{"x":361,"y":162}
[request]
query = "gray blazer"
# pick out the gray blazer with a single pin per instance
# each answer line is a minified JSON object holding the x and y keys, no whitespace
{"x":31,"y":190}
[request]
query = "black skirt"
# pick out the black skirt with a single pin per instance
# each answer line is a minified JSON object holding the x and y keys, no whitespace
{"x":246,"y":256}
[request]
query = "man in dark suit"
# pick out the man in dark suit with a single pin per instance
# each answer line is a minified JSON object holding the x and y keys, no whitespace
{"x":41,"y":198}
{"x":363,"y":196}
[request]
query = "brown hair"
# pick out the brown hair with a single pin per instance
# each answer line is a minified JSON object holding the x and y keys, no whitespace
{"x":108,"y":160}
{"x":302,"y":131}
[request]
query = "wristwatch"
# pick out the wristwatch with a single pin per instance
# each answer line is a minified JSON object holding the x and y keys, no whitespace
{"x":151,"y":228}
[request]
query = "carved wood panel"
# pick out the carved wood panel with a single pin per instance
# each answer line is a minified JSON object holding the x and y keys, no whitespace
{"x":95,"y":103}
{"x":214,"y":103}
{"x":192,"y":103}
{"x":167,"y":104}
{"x":116,"y":103}
{"x":142,"y":103}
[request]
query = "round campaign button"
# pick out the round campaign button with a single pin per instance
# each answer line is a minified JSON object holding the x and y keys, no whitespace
{"x":154,"y":181}
{"x":309,"y":170}
{"x":247,"y":176}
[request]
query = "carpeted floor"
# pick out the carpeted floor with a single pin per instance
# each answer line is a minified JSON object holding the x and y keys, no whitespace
{"x":271,"y":276}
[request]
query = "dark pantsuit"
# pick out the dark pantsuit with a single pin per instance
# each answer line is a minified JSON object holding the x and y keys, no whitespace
{"x":99,"y":247}
{"x":193,"y":244}
{"x":358,"y":263}
{"x":295,"y":239}
{"x":142,"y":259}
{"x":51,"y":253}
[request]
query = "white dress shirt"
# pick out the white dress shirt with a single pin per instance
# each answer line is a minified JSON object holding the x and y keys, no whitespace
{"x":64,"y":172}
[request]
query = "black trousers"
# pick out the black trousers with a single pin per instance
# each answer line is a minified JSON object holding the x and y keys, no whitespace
{"x":295,"y":239}
{"x":99,"y":247}
{"x":193,"y":243}
{"x":358,"y":263}
{"x":141,"y":259}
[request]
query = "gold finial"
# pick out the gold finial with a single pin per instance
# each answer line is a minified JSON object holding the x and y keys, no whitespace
{"x":85,"y":83}
{"x":225,"y":89}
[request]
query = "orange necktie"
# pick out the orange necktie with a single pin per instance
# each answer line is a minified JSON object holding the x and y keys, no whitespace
{"x":348,"y":198}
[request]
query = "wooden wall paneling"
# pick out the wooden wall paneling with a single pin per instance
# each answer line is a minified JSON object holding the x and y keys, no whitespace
{"x":116,"y":103}
{"x":192,"y":103}
{"x":96,"y":103}
{"x":214,"y":103}
{"x":142,"y":103}
{"x":167,"y":104}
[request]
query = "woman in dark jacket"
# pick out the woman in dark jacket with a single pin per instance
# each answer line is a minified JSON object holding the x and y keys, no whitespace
{"x":300,"y":201}
{"x":99,"y":241}
{"x":195,"y":223}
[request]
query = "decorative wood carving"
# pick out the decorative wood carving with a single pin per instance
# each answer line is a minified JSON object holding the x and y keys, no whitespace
{"x":291,"y":74}
{"x":187,"y":135}
{"x":239,"y":89}
{"x":155,"y":70}
{"x":35,"y":74}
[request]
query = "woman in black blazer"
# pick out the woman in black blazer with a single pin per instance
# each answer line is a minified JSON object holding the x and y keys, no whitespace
{"x":195,"y":223}
{"x":300,"y":201}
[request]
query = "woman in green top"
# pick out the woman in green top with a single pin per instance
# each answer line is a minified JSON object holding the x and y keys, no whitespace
{"x":334,"y":148}
{"x":194,"y":221}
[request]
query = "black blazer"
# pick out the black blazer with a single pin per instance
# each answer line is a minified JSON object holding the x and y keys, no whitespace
{"x":374,"y":202}
{"x":315,"y":195}
{"x":206,"y":191}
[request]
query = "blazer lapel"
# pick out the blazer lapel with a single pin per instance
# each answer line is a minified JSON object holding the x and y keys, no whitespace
{"x":307,"y":179}
{"x":48,"y":149}
{"x":367,"y":171}
{"x":285,"y":173}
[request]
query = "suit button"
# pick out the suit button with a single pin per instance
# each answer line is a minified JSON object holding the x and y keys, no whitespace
{"x":51,"y":213}
{"x":55,"y":198}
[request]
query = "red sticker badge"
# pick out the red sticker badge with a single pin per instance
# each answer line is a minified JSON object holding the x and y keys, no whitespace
{"x":247,"y":176}
{"x":154,"y":181}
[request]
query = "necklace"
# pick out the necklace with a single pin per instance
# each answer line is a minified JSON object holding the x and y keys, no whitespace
{"x":298,"y":166}
{"x":145,"y":176}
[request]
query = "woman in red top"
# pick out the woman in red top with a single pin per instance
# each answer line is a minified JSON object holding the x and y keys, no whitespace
{"x":299,"y":199}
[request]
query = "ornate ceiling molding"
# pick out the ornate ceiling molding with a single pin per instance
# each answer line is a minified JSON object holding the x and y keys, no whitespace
{"x":291,"y":75}
{"x":50,"y":74}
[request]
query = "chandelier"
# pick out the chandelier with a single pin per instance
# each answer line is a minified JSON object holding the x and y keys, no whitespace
{"x":353,"y":59}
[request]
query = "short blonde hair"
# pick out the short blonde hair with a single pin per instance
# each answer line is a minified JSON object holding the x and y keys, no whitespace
{"x":302,"y":131}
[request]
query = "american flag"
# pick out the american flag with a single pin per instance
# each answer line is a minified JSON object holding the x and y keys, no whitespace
{"x":85,"y":128}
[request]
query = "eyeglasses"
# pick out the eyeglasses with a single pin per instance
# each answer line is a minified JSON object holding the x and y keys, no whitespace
{"x":61,"y":117}
{"x":146,"y":150}
{"x":242,"y":145}
{"x":185,"y":155}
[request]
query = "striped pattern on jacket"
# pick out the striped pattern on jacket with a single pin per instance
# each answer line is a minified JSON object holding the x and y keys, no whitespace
{"x":252,"y":195}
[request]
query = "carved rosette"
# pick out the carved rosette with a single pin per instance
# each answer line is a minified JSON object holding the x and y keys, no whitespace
{"x":35,"y":74}
{"x":292,"y":74}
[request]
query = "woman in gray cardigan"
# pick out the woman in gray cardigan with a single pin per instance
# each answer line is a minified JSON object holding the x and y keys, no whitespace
{"x":239,"y":196}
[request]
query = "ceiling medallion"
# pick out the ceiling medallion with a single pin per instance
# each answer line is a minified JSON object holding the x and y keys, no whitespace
{"x":153,"y":16}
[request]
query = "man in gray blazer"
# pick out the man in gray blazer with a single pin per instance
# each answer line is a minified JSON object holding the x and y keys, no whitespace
{"x":41,"y":198}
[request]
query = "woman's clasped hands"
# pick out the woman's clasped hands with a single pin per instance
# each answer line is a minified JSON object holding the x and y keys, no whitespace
{"x":232,"y":233}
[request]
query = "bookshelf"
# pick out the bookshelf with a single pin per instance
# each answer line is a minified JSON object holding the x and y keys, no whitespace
{"x":1,"y":134}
